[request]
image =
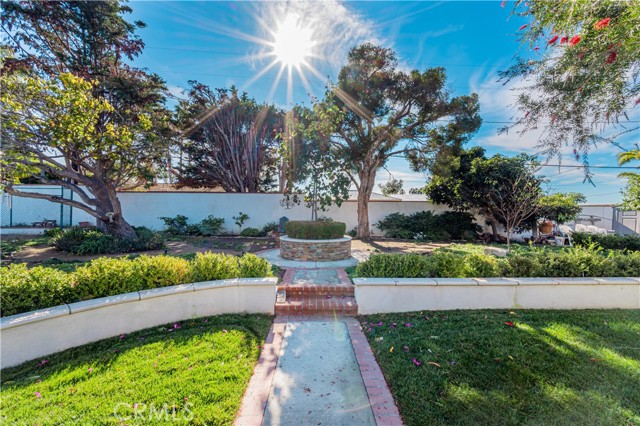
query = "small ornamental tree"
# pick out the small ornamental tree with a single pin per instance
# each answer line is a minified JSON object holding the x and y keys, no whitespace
{"x":583,"y":77}
{"x":51,"y":133}
{"x":561,"y":207}
{"x":503,"y":189}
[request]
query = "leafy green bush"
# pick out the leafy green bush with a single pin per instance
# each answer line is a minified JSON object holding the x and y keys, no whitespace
{"x":270,"y":227}
{"x":160,"y":271}
{"x":214,"y":266}
{"x":250,"y":232}
{"x":252,"y":266}
{"x":570,"y":262}
{"x":430,"y":227}
{"x":85,"y":241}
{"x":210,"y":225}
{"x":106,"y":276}
{"x":607,"y":242}
{"x":309,"y":230}
{"x":26,"y":290}
{"x":178,"y":226}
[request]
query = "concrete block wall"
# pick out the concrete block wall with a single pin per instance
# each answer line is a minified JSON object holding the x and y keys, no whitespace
{"x":386,"y":295}
{"x":36,"y":334}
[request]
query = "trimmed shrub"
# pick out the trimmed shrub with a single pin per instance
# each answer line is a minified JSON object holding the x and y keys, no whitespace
{"x":309,"y":230}
{"x":25,"y":290}
{"x":214,"y":266}
{"x":160,"y":271}
{"x":572,"y":262}
{"x":252,"y":266}
{"x":106,"y":276}
{"x":607,"y":242}
{"x":427,"y":226}
{"x":250,"y":232}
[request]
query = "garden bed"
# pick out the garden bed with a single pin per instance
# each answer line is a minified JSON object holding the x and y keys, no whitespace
{"x":198,"y":367}
{"x":511,"y":367}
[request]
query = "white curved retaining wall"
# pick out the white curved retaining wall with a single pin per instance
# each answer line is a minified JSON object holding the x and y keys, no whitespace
{"x":36,"y":334}
{"x":385,"y":295}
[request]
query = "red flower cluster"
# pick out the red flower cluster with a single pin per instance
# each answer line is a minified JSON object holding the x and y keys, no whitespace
{"x":564,"y":39}
{"x":553,"y":39}
{"x":574,"y":40}
{"x":602,"y":24}
{"x":612,"y":57}
{"x":522,"y":27}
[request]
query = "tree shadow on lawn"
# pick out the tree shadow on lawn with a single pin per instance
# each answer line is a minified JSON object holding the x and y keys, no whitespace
{"x":206,"y":362}
{"x":549,"y":368}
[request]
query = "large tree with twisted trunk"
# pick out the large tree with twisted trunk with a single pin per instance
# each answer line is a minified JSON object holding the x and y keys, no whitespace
{"x":75,"y":112}
{"x":376,"y":111}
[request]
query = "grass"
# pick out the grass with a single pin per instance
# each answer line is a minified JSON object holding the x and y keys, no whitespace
{"x":547,"y":368}
{"x":193,"y":373}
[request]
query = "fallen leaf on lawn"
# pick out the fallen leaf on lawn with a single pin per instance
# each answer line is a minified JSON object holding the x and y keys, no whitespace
{"x":512,"y":313}
{"x":416,"y":362}
{"x":509,"y":323}
{"x":434,"y":363}
{"x":594,"y":359}
{"x":391,"y":349}
{"x":405,"y":348}
{"x":497,"y":359}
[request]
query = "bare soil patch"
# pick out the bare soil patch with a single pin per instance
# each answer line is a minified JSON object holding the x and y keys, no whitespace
{"x":387,"y":245}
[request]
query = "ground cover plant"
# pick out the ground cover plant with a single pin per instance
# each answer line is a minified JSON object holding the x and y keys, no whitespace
{"x":511,"y":368}
{"x":190,"y":372}
{"x":87,"y":241}
{"x":470,"y":261}
{"x":25,"y":289}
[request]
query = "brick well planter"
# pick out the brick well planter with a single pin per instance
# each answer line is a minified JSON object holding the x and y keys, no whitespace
{"x":315,"y":250}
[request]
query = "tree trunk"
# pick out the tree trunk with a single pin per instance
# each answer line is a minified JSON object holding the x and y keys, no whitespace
{"x":494,"y":230}
{"x":109,"y":214}
{"x":367,"y":180}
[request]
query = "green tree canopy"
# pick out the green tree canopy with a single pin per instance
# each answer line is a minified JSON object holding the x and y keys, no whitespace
{"x":230,"y":140}
{"x":376,"y":111}
{"x":393,"y":186}
{"x":561,"y":207}
{"x":583,"y":86}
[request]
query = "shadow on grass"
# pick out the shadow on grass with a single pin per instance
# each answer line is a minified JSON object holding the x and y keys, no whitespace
{"x":550,"y":368}
{"x":204,"y":362}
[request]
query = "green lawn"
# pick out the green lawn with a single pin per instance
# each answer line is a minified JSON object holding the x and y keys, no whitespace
{"x":193,"y":372}
{"x":511,"y":368}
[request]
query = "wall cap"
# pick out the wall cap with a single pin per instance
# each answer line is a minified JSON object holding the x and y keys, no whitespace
{"x":33,"y":316}
{"x":257,"y":281}
{"x":456,"y":281}
{"x":415,"y":281}
{"x":299,"y":240}
{"x":374,"y":281}
{"x":87,"y":305}
{"x":205,"y":285}
{"x":165,"y":291}
{"x":618,"y":281}
{"x":495,"y":281}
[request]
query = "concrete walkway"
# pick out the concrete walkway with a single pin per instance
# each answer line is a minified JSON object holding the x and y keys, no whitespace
{"x":317,"y":371}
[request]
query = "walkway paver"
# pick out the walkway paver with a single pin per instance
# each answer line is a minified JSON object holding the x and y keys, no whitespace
{"x":317,"y":371}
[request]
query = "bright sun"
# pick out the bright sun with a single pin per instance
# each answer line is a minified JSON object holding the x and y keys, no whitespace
{"x":293,"y":42}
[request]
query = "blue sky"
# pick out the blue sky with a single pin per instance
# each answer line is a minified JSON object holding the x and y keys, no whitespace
{"x":223,"y":44}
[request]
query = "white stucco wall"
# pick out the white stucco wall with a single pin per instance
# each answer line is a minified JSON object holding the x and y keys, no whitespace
{"x":386,"y":295}
{"x":36,"y":334}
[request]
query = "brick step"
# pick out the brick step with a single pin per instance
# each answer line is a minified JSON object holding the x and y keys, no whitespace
{"x":319,"y":305}
{"x":317,"y":290}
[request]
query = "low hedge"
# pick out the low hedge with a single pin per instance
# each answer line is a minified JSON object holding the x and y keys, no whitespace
{"x":320,"y":230}
{"x":25,"y":290}
{"x":428,"y":226}
{"x":608,"y":242}
{"x":570,"y":262}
